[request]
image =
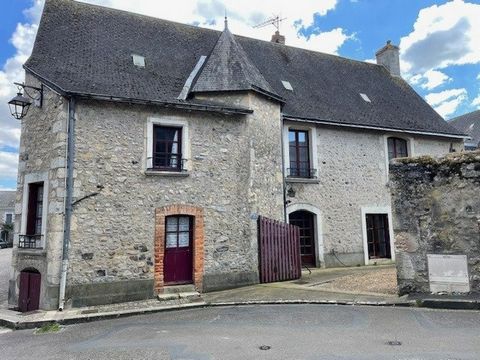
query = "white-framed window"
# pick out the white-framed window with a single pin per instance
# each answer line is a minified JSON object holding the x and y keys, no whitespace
{"x":9,"y":218}
{"x":300,"y":151}
{"x":167,"y":145}
{"x":33,"y":226}
{"x":397,"y":146}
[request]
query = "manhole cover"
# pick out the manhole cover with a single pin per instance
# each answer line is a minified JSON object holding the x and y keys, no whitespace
{"x":265,"y":347}
{"x":394,"y":343}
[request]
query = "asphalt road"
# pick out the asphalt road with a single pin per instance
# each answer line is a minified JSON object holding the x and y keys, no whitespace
{"x":291,"y":332}
{"x":5,"y":261}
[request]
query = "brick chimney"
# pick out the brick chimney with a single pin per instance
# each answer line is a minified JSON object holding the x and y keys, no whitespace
{"x":277,"y":38}
{"x":389,"y":56}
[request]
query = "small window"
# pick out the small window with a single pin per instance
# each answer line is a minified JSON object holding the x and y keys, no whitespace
{"x":365,"y":97}
{"x":299,"y":153}
{"x":287,"y":85}
{"x":138,"y":60}
{"x":167,"y":148}
{"x":8,"y":218}
{"x":397,"y":148}
{"x":178,"y":232}
{"x":35,"y":209}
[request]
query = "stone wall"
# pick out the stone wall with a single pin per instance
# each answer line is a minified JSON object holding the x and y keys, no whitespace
{"x":352,"y":169}
{"x":436,"y":207}
{"x":42,"y":157}
{"x":234,"y":175}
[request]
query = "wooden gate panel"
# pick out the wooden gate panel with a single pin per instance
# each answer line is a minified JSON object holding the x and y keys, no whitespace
{"x":279,"y":251}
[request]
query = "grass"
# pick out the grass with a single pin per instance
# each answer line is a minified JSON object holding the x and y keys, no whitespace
{"x":48,"y":328}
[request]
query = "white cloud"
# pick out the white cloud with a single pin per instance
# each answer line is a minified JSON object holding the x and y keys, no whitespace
{"x":442,"y":35}
{"x":447,"y":102}
{"x":22,"y":40}
{"x":8,"y":165}
{"x":476,"y":102}
{"x":430,"y":79}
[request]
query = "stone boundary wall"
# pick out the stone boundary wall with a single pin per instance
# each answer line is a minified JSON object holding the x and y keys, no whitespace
{"x":436,"y":210}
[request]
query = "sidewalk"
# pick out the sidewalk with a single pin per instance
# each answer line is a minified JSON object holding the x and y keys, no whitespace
{"x":320,"y":286}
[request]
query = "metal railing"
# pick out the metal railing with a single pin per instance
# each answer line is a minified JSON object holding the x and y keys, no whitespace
{"x":168,"y":162}
{"x":30,"y":241}
{"x":305,"y":173}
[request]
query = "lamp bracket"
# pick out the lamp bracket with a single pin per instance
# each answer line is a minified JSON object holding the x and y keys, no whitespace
{"x":37,"y":97}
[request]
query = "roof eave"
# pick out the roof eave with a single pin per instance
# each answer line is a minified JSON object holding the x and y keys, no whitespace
{"x":371,"y":127}
{"x":227,"y":110}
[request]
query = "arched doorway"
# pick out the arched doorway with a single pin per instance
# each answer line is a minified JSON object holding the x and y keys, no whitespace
{"x":305,"y":220}
{"x":29,"y":292}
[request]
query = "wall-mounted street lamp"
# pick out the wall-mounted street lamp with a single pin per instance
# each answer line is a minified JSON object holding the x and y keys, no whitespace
{"x":20,"y":104}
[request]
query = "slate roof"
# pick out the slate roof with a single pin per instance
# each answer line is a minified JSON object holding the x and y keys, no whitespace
{"x":7,"y":199}
{"x":83,"y":48}
{"x":228,"y":68}
{"x":470,"y":125}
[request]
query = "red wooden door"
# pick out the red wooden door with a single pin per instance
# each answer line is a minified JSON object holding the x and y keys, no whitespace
{"x":304,"y":220}
{"x":29,"y":295}
{"x":178,"y":259}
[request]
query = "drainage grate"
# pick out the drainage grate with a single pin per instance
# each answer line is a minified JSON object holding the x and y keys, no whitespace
{"x":393,"y":343}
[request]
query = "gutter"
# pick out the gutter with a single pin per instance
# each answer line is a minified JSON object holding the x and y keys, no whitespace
{"x":68,"y":201}
{"x":349,"y":125}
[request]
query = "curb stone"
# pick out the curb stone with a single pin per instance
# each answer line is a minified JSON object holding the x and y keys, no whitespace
{"x":427,"y":303}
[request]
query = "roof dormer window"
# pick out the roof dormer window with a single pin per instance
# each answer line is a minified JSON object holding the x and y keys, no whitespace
{"x":287,"y":85}
{"x":365,"y":97}
{"x":138,"y":60}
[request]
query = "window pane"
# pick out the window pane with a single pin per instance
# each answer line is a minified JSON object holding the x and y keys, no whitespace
{"x":302,"y":137}
{"x":171,"y":240}
{"x":184,"y":239}
{"x":184,"y":223}
{"x":172,"y":223}
{"x":291,"y":137}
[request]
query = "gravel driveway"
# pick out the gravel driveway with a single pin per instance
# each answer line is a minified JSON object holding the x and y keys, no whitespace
{"x":5,"y":261}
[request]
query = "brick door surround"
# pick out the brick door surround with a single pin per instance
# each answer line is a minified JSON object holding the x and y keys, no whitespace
{"x":198,"y":242}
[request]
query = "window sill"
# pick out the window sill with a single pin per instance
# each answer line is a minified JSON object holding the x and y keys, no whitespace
{"x":167,"y":173}
{"x":32,"y":251}
{"x":300,"y":180}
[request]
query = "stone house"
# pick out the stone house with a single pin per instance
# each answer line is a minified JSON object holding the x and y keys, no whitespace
{"x":469,"y":124}
{"x":159,"y":144}
{"x":7,"y":215}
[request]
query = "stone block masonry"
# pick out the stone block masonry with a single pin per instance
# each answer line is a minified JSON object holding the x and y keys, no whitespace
{"x":436,"y":210}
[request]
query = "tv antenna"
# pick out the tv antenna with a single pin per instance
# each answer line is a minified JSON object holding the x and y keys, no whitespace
{"x":274,"y":20}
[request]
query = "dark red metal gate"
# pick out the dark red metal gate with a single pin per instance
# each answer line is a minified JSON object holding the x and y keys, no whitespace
{"x":278,"y":251}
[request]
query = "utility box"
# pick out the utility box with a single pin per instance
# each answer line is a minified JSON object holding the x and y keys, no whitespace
{"x":448,"y":273}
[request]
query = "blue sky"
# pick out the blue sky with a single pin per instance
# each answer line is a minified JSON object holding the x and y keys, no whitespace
{"x":439,"y":41}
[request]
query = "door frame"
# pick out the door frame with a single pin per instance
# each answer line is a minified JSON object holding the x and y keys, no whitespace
{"x":28,"y":272}
{"x":318,"y":231}
{"x":191,"y":234}
{"x":197,"y":244}
{"x":387,"y":210}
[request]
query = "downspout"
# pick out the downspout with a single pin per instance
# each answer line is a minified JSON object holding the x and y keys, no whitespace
{"x":283,"y":171}
{"x":68,"y":201}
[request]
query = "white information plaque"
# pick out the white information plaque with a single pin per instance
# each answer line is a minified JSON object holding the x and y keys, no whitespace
{"x":448,"y":273}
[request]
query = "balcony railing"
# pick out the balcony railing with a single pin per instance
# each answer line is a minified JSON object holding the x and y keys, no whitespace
{"x":168,"y":162}
{"x":304,"y":173}
{"x":30,"y":241}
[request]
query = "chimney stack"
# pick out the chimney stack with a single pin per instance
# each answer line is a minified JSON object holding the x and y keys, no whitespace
{"x":277,"y":38}
{"x":389,"y":56}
